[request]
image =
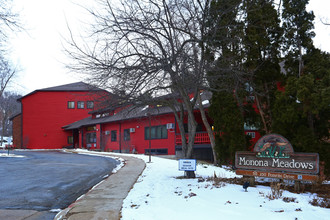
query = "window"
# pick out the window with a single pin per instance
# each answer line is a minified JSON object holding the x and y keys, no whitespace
{"x":90,"y":104}
{"x":113,"y":136}
{"x":162,"y":151}
{"x":157,"y":132}
{"x":252,"y":134}
{"x":127,"y":135}
{"x":80,"y":105}
{"x":70,"y":104}
{"x":70,"y":139}
{"x":91,"y":138}
{"x":91,"y":128}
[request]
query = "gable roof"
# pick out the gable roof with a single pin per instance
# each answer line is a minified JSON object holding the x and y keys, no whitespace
{"x":78,"y":86}
{"x":71,"y":87}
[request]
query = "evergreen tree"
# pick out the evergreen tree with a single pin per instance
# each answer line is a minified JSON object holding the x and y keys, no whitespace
{"x":224,"y":51}
{"x":298,"y":32}
{"x":302,"y":111}
{"x":229,"y":126}
{"x":262,"y":46}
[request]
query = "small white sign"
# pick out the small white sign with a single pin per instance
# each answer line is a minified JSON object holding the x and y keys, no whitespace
{"x":187,"y":165}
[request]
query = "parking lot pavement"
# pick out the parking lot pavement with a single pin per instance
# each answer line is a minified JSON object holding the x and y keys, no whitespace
{"x":47,"y":180}
{"x":106,"y":199}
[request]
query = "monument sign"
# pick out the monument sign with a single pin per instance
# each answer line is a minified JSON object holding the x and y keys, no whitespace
{"x":274,"y":157}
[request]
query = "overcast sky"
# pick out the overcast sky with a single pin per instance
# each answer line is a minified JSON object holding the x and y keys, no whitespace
{"x":38,"y":51}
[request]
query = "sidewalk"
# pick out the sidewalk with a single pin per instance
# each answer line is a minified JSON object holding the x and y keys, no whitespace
{"x":106,"y":199}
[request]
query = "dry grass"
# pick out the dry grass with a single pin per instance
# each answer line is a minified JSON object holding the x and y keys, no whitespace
{"x":322,"y":202}
{"x":276,"y":191}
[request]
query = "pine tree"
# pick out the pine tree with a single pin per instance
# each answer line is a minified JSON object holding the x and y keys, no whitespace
{"x":226,"y":77}
{"x":229,"y":126}
{"x":302,"y":111}
{"x":298,"y":32}
{"x":262,"y":47}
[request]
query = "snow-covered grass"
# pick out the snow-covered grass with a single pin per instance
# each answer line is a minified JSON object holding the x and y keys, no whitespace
{"x":160,"y":194}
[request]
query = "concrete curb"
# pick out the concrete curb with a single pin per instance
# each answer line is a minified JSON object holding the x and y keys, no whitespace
{"x":104,"y":201}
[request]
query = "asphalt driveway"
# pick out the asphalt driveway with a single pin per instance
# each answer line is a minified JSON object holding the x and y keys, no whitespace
{"x":46,"y":180}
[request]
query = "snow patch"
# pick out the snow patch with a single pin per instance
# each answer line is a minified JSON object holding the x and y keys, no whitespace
{"x":205,"y":102}
{"x":10,"y":155}
{"x":55,"y":210}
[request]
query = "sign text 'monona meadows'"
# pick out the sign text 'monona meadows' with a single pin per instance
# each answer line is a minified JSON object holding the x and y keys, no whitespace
{"x":274,"y":153}
{"x":299,"y":162}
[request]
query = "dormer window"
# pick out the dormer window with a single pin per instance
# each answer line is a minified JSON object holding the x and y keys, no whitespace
{"x":90,"y":104}
{"x":80,"y":105}
{"x":70,"y":104}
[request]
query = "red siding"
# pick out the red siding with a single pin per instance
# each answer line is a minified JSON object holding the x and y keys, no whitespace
{"x":44,"y":113}
{"x":137,"y":139}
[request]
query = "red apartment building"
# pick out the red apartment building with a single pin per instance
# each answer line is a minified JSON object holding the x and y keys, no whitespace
{"x":45,"y":111}
{"x":64,"y":116}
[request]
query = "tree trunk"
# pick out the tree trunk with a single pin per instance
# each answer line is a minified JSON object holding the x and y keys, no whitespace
{"x":310,"y":120}
{"x":186,"y":150}
{"x":208,"y":128}
{"x":262,"y":115}
{"x":270,"y":120}
{"x":192,"y":124}
{"x":190,"y":174}
{"x":3,"y":131}
{"x":179,"y":120}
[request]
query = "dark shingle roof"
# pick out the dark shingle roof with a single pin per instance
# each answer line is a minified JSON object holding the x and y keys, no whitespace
{"x":15,"y":115}
{"x":71,"y":87}
{"x":78,"y":86}
{"x":129,"y":113}
{"x":126,"y":114}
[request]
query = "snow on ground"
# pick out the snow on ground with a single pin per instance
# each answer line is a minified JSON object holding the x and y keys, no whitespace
{"x":10,"y":155}
{"x":160,"y":195}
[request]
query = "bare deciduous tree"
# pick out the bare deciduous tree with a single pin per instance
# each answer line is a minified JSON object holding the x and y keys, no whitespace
{"x":8,"y":22}
{"x":145,"y":49}
{"x":6,"y":74}
{"x":8,"y":107}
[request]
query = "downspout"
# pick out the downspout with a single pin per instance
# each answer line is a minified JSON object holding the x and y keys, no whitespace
{"x":101,"y":139}
{"x":119,"y":137}
{"x":175,"y":135}
{"x":21,"y":126}
{"x":82,"y":138}
{"x":149,"y":137}
{"x":73,"y":139}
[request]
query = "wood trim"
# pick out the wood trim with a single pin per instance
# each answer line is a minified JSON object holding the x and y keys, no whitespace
{"x":289,"y":176}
